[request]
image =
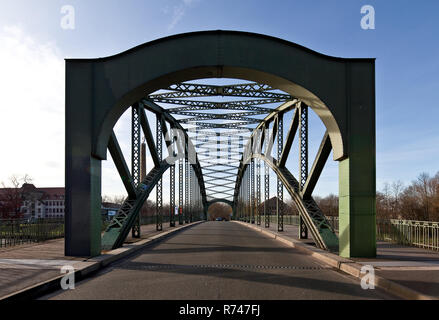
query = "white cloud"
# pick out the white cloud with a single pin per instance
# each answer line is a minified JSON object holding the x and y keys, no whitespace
{"x":178,"y":11}
{"x":31,"y":108}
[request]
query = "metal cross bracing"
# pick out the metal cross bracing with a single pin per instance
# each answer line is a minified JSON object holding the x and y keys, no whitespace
{"x":124,"y":220}
{"x":219,"y":157}
{"x":314,"y":220}
{"x":172,"y":186}
{"x":280,"y":187}
{"x":172,"y":196}
{"x":258,"y":191}
{"x":135,"y":158}
{"x":229,"y":153}
{"x":180,"y":191}
{"x":252,"y":192}
{"x":266,"y":195}
{"x":184,"y":90}
{"x":159,"y":187}
{"x":303,"y":160}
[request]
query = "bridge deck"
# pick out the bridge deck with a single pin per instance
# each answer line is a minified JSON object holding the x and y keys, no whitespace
{"x":220,"y":260}
{"x":28,"y":265}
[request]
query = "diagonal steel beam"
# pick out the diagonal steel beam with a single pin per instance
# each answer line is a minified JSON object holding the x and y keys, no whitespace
{"x":290,"y":138}
{"x":317,"y":167}
{"x":272,"y":137}
{"x":121,"y":165}
{"x":149,"y":137}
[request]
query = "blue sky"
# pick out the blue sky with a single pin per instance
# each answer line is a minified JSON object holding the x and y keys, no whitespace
{"x":405,"y":44}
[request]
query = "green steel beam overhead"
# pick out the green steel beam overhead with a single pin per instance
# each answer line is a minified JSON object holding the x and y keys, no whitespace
{"x":251,"y":90}
{"x":244,"y":105}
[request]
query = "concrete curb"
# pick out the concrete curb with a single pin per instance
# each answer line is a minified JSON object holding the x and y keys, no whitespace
{"x":345,"y":265}
{"x":83,"y":269}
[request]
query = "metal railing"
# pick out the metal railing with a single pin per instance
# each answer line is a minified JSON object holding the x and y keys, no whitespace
{"x":294,"y":220}
{"x":422,"y":234}
{"x":153,"y":219}
{"x":24,"y":231}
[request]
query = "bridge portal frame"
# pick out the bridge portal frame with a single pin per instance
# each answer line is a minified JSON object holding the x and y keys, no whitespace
{"x":340,"y":91}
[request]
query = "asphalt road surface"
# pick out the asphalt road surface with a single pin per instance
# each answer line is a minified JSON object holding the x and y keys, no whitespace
{"x":219,"y":260}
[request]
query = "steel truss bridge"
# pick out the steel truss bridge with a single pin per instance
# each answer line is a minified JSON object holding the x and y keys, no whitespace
{"x":224,"y":139}
{"x":220,"y":147}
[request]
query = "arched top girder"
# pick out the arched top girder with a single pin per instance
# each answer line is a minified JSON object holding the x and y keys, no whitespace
{"x":110,"y":85}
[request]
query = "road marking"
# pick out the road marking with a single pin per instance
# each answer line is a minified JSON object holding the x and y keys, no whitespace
{"x":223,"y":266}
{"x":34,"y":263}
{"x":428,"y":263}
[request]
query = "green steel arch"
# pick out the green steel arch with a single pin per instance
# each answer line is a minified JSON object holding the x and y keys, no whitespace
{"x":340,"y":91}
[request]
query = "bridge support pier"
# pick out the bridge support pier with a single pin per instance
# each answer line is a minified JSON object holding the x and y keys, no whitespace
{"x":83,"y":196}
{"x":83,"y":170}
{"x":357,"y":184}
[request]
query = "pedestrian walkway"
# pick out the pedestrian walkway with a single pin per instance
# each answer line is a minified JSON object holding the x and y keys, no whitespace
{"x":26,"y":265}
{"x":412,"y":267}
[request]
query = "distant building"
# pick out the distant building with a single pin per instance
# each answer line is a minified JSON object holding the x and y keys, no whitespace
{"x":272,"y":207}
{"x":30,"y":202}
{"x":42,"y":202}
{"x":109,"y":210}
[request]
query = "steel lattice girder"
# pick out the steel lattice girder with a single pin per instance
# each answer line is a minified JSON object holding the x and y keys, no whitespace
{"x":237,"y":114}
{"x":118,"y":229}
{"x":232,"y":142}
{"x":207,"y":160}
{"x":192,"y":105}
{"x":232,"y":125}
{"x":205,"y":135}
{"x":224,"y":178}
{"x":312,"y":216}
{"x":253,"y":90}
{"x":160,"y":126}
{"x":315,"y":220}
{"x":207,"y":116}
{"x":280,"y":189}
{"x":303,"y":160}
{"x":135,"y":157}
{"x":172,"y":195}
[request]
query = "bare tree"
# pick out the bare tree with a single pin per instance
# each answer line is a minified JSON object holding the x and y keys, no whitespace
{"x":219,"y":210}
{"x":422,"y":189}
{"x":11,"y":197}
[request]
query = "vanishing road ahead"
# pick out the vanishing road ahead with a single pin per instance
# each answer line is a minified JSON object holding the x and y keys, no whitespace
{"x":219,"y":260}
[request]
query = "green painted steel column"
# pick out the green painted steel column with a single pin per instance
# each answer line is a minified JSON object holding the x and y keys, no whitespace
{"x":357,"y":180}
{"x":83,"y":171}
